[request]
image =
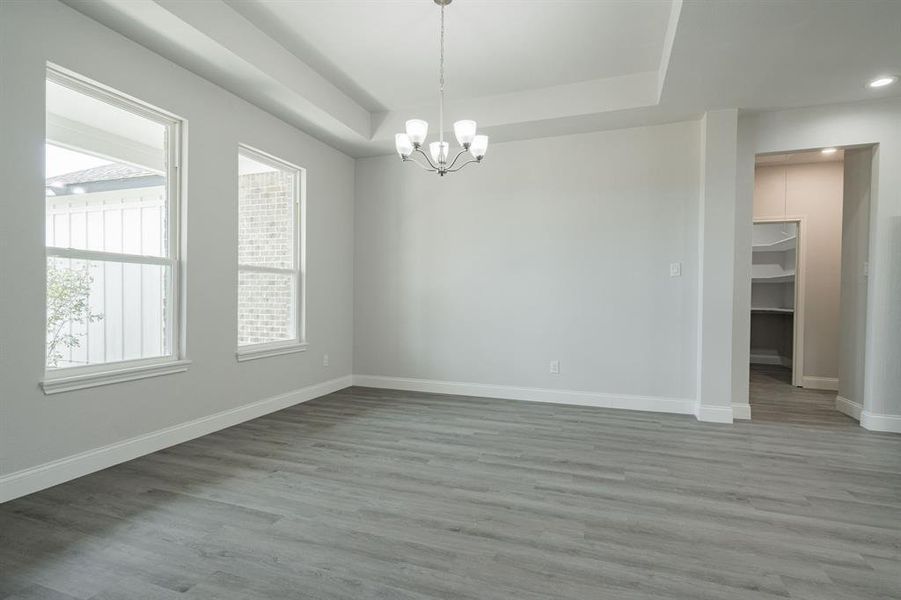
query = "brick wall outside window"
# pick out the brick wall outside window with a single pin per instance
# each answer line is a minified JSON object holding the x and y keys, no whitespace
{"x":266,"y":239}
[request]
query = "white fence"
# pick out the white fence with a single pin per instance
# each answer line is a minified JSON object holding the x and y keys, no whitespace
{"x":130,"y":297}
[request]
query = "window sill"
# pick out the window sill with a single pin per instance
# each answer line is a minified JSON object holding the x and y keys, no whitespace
{"x":253,"y":352}
{"x":68,"y":383}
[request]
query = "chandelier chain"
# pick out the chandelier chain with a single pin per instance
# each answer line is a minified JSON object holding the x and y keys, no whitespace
{"x":411,"y":146}
{"x":441,"y":82}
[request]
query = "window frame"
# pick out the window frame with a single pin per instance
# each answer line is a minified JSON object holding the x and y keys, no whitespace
{"x":78,"y":377}
{"x":298,"y":343}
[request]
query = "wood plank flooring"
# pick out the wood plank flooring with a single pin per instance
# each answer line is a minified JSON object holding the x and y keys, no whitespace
{"x":774,"y":399}
{"x":375,"y":494}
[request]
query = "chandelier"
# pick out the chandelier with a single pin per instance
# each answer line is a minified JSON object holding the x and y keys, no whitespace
{"x":417,"y":129}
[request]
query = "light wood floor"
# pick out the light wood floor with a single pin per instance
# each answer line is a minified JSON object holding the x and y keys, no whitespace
{"x":392,"y":495}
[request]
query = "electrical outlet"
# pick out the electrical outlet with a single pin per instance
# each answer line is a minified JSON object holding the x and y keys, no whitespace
{"x":555,"y":367}
{"x":325,"y":360}
{"x":675,"y":269}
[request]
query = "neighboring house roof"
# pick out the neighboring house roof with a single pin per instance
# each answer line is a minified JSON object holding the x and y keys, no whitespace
{"x":114,"y":176}
{"x":102,"y":173}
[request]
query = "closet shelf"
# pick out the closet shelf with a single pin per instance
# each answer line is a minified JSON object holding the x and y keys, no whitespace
{"x":778,"y":277}
{"x":782,"y":245}
{"x":772,"y":310}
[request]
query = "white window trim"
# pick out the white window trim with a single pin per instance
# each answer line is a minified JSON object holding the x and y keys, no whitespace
{"x":299,"y":342}
{"x":115,"y":372}
{"x":81,"y":377}
{"x":255,"y":351}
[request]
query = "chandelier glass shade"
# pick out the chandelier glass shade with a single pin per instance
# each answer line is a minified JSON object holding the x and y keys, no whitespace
{"x":438,"y":160}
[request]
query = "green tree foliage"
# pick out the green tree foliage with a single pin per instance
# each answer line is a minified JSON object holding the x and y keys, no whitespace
{"x":68,"y":290}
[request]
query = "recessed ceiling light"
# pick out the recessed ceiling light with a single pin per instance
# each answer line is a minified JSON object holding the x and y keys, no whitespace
{"x":829,"y":150}
{"x":883,"y":81}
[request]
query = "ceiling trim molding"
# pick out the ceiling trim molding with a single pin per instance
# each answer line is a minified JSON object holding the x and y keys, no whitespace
{"x":668,"y":40}
{"x":710,"y":58}
{"x":612,"y":94}
{"x":214,"y":41}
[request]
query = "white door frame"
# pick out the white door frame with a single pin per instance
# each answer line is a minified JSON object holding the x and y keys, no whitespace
{"x":800,"y":272}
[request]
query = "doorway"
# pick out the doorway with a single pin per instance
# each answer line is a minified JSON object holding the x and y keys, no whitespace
{"x":805,"y":293}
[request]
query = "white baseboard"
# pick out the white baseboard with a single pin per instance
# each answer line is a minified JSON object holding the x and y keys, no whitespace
{"x":59,"y":471}
{"x":876,"y":422}
{"x":741,"y":411}
{"x":770,"y":359}
{"x":820,"y":383}
{"x":682,"y":406}
{"x":849,"y":407}
{"x":714,"y":414}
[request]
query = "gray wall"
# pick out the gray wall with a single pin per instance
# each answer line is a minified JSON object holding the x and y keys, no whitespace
{"x":554,"y":249}
{"x":35,"y":428}
{"x":855,"y":253}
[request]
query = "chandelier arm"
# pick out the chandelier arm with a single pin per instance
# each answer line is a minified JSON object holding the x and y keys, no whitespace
{"x":468,"y":162}
{"x":420,"y":165}
{"x":426,"y":156}
{"x":459,"y":154}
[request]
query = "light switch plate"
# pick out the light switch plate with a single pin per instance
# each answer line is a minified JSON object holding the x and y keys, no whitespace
{"x":675,"y":269}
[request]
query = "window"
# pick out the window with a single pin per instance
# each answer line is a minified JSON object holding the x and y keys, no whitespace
{"x":270,"y":261}
{"x":112,"y":191}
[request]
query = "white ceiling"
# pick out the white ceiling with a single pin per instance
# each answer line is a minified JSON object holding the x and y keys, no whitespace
{"x":90,"y":113}
{"x":772,"y":54}
{"x":390,"y":50}
{"x":249,"y":166}
{"x":351,"y":71}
